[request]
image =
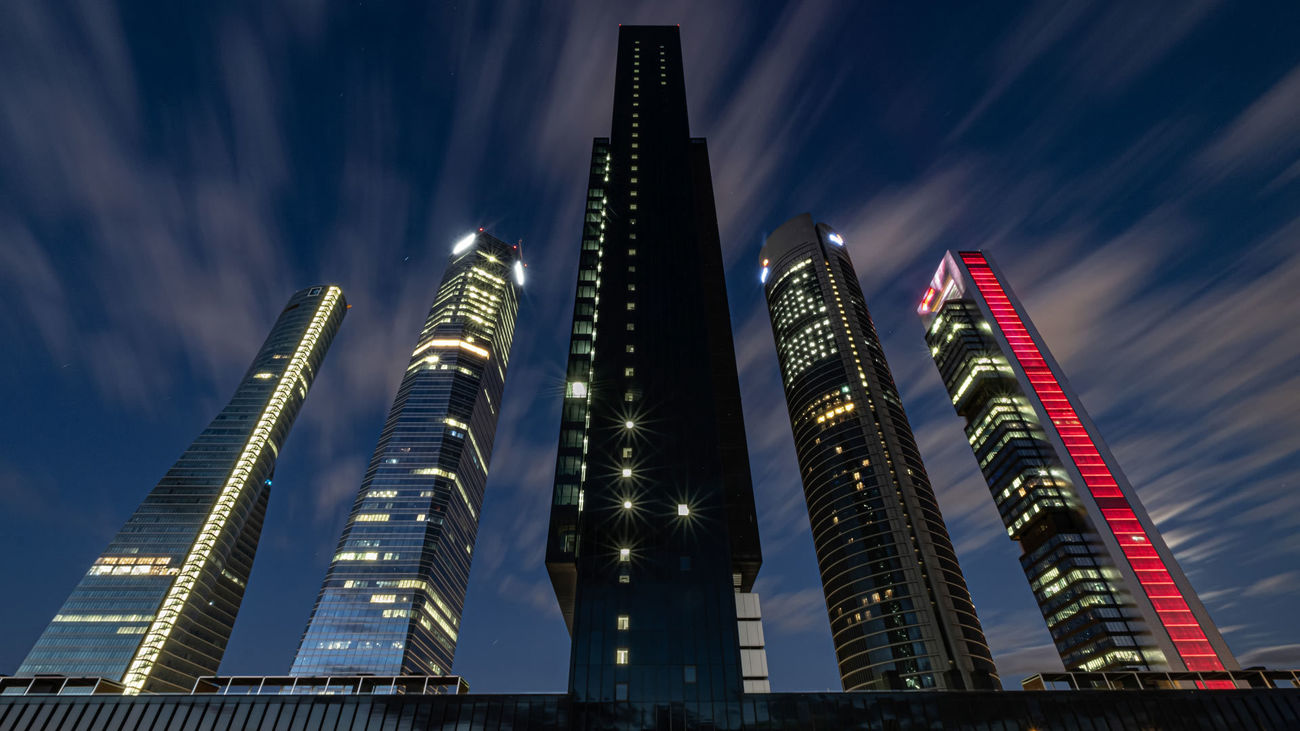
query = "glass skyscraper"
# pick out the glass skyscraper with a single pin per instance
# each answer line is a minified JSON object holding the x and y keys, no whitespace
{"x":392,"y":600}
{"x":156,"y":609}
{"x":900,"y":613}
{"x":652,"y":522}
{"x":1110,"y":589}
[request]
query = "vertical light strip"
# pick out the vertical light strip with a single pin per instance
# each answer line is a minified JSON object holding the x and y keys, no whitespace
{"x":168,"y":614}
{"x":1153,"y":575}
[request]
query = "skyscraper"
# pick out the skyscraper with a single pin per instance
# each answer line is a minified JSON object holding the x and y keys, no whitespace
{"x":1108,"y":586}
{"x":156,"y":609}
{"x":900,"y":613}
{"x":392,"y":600}
{"x":652,"y":522}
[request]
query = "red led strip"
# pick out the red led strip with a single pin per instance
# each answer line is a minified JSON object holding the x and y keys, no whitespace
{"x":1184,"y":631}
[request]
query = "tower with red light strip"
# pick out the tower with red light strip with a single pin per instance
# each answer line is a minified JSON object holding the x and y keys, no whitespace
{"x":1108,"y":586}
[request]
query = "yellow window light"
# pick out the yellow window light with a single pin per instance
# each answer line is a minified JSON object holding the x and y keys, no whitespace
{"x":450,"y":343}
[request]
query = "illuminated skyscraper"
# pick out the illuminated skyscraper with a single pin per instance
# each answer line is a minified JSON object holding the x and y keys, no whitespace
{"x":391,"y":603}
{"x":652,"y":521}
{"x":1108,"y":586}
{"x":156,"y":609}
{"x":900,"y":613}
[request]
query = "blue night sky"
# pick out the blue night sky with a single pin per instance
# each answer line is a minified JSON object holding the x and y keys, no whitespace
{"x":171,"y":172}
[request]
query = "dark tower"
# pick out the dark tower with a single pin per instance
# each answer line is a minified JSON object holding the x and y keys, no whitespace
{"x":157,"y":608}
{"x":652,"y":523}
{"x":392,"y":601}
{"x":901,"y":615}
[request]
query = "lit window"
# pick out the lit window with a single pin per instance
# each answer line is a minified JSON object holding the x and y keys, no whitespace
{"x":629,"y":371}
{"x":622,"y":621}
{"x":627,"y":451}
{"x":631,"y":305}
{"x":577,"y":389}
{"x":682,"y":509}
{"x":264,"y":376}
{"x":624,"y":579}
{"x":624,"y":554}
{"x":627,"y":504}
{"x":620,"y":656}
{"x":631,"y":348}
{"x":627,"y":471}
{"x":631,"y":326}
{"x":629,"y":396}
{"x":631,"y":286}
{"x":628,"y":424}
{"x":631,"y":252}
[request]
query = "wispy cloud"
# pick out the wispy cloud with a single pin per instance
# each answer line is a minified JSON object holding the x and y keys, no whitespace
{"x":792,"y":612}
{"x":1272,"y":656}
{"x":1266,"y":133}
{"x":1101,"y":48}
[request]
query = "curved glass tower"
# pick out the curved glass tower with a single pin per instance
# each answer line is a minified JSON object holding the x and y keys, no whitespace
{"x":392,"y":600}
{"x":900,"y":613}
{"x":157,"y":608}
{"x":1109,"y":588}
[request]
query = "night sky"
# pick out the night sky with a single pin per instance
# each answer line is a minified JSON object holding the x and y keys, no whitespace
{"x":171,"y":172}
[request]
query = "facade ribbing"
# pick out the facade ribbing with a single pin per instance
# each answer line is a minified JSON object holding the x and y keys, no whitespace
{"x":392,"y":599}
{"x":900,"y":613}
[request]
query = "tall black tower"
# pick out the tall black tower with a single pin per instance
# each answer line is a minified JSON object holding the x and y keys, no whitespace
{"x":652,"y":524}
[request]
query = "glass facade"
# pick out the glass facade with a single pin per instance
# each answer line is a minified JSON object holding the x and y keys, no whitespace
{"x":1119,"y":710}
{"x":392,"y":600}
{"x":1109,"y":588}
{"x":156,"y":609}
{"x":652,"y":524}
{"x":901,"y":615}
